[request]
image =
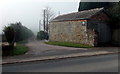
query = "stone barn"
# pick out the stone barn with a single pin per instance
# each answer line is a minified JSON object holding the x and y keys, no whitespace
{"x":90,"y":27}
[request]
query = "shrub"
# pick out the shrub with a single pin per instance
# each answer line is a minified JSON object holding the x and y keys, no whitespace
{"x":3,"y":38}
{"x":10,"y":35}
{"x":42,"y":35}
{"x":7,"y":50}
{"x":21,"y":32}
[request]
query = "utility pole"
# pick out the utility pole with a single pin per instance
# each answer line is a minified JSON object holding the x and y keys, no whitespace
{"x":59,"y":13}
{"x":44,"y":19}
{"x":47,"y":21}
{"x":39,"y":25}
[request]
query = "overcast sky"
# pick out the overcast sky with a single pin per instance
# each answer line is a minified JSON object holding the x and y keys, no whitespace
{"x":28,"y":12}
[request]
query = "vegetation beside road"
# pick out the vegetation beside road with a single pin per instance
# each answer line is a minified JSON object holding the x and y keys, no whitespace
{"x":19,"y":49}
{"x":21,"y":32}
{"x":69,"y":44}
{"x":42,"y":35}
{"x":23,"y":42}
{"x":15,"y":32}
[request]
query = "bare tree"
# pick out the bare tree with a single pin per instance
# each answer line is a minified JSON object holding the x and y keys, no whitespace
{"x":48,"y":16}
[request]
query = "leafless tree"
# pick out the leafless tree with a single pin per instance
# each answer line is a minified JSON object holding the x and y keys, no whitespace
{"x":48,"y":16}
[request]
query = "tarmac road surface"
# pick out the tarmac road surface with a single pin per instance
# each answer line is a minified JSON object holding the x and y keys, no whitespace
{"x":103,"y":63}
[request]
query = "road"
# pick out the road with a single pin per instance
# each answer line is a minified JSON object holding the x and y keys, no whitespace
{"x":39,"y":48}
{"x":103,"y":63}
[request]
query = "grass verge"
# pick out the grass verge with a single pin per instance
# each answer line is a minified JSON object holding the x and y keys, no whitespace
{"x":69,"y":44}
{"x":20,"y":49}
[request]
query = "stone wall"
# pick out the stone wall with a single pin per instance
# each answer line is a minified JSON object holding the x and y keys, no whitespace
{"x":71,"y":31}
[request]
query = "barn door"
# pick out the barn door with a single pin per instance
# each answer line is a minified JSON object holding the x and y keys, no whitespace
{"x":104,"y":34}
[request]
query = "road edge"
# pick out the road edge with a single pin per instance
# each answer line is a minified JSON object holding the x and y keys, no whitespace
{"x":58,"y":58}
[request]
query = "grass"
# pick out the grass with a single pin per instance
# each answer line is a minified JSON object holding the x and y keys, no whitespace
{"x":69,"y":44}
{"x":20,"y":49}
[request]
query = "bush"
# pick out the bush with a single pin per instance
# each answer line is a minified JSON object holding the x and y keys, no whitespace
{"x":92,"y":5}
{"x":42,"y":35}
{"x":3,"y":38}
{"x":7,"y":50}
{"x":21,"y":32}
{"x":10,"y":35}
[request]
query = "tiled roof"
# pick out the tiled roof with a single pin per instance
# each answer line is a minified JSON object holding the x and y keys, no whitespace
{"x":78,"y":15}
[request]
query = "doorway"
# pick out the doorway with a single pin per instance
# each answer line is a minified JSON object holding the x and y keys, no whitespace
{"x":104,"y":33}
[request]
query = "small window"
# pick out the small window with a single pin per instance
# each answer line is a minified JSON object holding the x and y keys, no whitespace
{"x":83,"y":23}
